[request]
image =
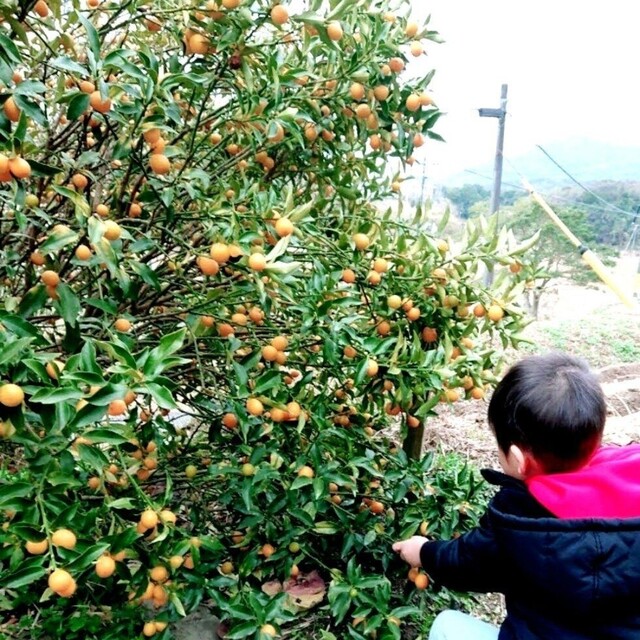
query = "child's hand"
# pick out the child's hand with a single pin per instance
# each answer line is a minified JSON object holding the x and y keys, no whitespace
{"x":409,"y":549}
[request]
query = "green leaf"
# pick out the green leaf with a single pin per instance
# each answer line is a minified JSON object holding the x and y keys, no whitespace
{"x":54,"y":395}
{"x":68,"y":304}
{"x":33,"y":301}
{"x":28,"y":572}
{"x":92,"y":36}
{"x":15,"y":490}
{"x":89,"y":414}
{"x":66,"y":64}
{"x":9,"y":50}
{"x":325,"y":527}
{"x":11,"y":350}
{"x":161,"y":395}
{"x":77,"y":106}
{"x":93,"y":457}
{"x":108,"y":436}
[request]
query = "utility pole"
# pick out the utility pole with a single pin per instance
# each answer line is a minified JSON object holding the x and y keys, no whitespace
{"x":497,"y":166}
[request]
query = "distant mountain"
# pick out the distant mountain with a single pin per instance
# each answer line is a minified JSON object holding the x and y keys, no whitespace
{"x":586,"y":160}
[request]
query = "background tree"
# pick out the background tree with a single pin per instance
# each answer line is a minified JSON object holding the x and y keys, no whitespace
{"x":188,"y":224}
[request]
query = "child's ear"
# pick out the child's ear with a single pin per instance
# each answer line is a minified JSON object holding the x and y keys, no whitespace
{"x":518,"y":455}
{"x":526,"y":464}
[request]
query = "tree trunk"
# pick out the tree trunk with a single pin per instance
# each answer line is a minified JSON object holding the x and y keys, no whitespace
{"x":412,"y":444}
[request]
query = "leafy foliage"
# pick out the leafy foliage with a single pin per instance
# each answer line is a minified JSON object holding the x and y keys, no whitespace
{"x":213,"y":343}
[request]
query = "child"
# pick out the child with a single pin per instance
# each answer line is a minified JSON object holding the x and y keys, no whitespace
{"x":561,"y":538}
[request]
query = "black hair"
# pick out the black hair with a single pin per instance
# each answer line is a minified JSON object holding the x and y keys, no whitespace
{"x":551,"y":405}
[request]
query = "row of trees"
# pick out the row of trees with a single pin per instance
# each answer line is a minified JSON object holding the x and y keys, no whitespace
{"x":603,"y":219}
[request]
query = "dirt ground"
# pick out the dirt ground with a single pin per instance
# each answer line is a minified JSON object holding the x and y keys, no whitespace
{"x":587,"y":321}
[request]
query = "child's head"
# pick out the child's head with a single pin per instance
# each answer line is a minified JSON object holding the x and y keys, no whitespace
{"x":551,"y":408}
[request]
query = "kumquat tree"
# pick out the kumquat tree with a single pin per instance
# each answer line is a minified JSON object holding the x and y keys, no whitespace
{"x":217,"y":352}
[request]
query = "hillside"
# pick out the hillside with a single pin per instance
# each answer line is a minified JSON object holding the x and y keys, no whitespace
{"x":586,"y":160}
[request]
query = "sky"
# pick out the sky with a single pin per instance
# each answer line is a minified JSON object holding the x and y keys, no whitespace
{"x":570,"y":65}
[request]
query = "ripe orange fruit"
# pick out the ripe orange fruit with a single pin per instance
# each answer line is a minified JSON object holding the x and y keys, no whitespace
{"x":348,"y":276}
{"x":421,"y":581}
{"x":105,"y":566}
{"x":225,"y":330}
{"x":98,"y":103}
{"x":36,"y":548}
{"x":267,"y":550}
{"x":149,"y":629}
{"x":413,"y":574}
{"x":36,"y":257}
{"x":19,"y":168}
{"x":64,"y":538}
{"x":417,"y":49}
{"x":102,"y":210}
{"x":383,"y":328}
{"x":280,"y":343}
{"x":451,"y":395}
{"x":41,"y":8}
{"x":413,"y":314}
{"x":122,"y":324}
{"x":117,"y":407}
{"x":411,"y":29}
{"x":257,"y":262}
{"x":284,"y":227}
{"x":306,"y":472}
{"x":112,"y":230}
{"x":477,"y":393}
{"x":61,"y":582}
{"x":269,"y":353}
{"x":198,"y":43}
{"x":149,"y":518}
{"x":230,"y":420}
{"x":11,"y":395}
{"x":268,"y":630}
{"x":361,"y":240}
{"x":396,"y":65}
{"x":429,"y":334}
{"x":134,"y":210}
{"x":356,"y":90}
{"x":279,"y":15}
{"x":495,"y":313}
{"x":159,"y":574}
{"x":226,"y":568}
{"x":413,"y":102}
{"x":230,"y":4}
{"x":11,"y":109}
{"x":83,"y":252}
{"x":381,"y":92}
{"x":334,"y":31}
{"x":376,"y":507}
{"x":220,"y":252}
{"x":349,"y":352}
{"x":255,"y":407}
{"x":413,"y":422}
{"x":372,"y":368}
{"x":176,"y":562}
{"x":479,"y":311}
{"x":159,"y":163}
{"x":394,"y":302}
{"x":374,"y":278}
{"x":208,"y":266}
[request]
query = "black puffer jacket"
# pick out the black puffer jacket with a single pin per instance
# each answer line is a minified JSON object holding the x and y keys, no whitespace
{"x":563,"y":579}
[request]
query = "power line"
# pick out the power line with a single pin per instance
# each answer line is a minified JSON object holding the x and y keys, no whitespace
{"x":548,"y":196}
{"x":595,"y":195}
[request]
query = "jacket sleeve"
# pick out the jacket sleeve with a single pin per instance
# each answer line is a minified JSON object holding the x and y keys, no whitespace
{"x":468,"y":563}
